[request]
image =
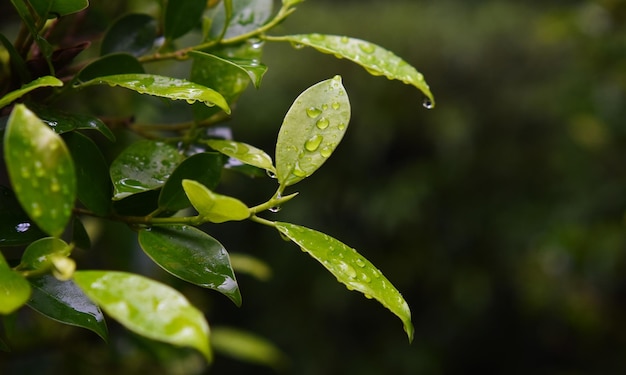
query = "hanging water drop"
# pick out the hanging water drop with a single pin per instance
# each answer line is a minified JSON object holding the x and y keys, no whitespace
{"x":313,"y":112}
{"x":275,"y":209}
{"x":322,"y":123}
{"x":427,"y":103}
{"x":270,"y":174}
{"x":313,"y":143}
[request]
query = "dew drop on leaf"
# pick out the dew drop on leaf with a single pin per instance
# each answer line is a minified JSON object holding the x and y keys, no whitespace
{"x":336,"y":105}
{"x":322,"y":123}
{"x":313,"y":143}
{"x":313,"y":112}
{"x":360,"y":263}
{"x":326,"y":151}
{"x":366,"y":47}
{"x":427,"y":103}
{"x":275,"y":209}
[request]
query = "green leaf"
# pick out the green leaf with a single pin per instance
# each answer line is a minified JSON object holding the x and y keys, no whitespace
{"x":133,"y":33}
{"x":350,"y":268}
{"x":80,"y":237}
{"x":375,"y":59}
{"x":203,"y":167}
{"x":311,"y":130}
{"x":24,"y":11}
{"x":214,"y":207}
{"x":182,"y":16}
{"x":148,"y":308}
{"x":247,"y":16}
{"x":245,"y":263}
{"x":18,"y":66}
{"x":58,"y":8}
{"x":39,"y":254}
{"x":247,"y":347}
{"x":165,"y":87}
{"x":16,"y":228}
{"x":93,"y":186}
{"x":291,"y":3}
{"x":65,"y":302}
{"x":142,"y":166}
{"x":14,"y":289}
{"x":44,"y":81}
{"x":41,"y":170}
{"x":115,"y":63}
{"x":243,"y":152}
{"x":63,"y":122}
{"x":193,"y":256}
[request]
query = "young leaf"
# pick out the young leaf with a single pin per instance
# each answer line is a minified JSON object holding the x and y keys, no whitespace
{"x":93,"y":186}
{"x":191,"y":255}
{"x":63,"y":122}
{"x":115,"y":63}
{"x":182,"y":16}
{"x":247,"y":15}
{"x":165,"y":87}
{"x":142,"y":166}
{"x":247,"y":347}
{"x":249,"y":67}
{"x":58,"y":8}
{"x":41,"y":170}
{"x":16,"y":228}
{"x":14,"y":289}
{"x":375,"y":59}
{"x":350,"y":268}
{"x":148,"y":308}
{"x":214,"y":207}
{"x":65,"y":302}
{"x":44,"y":81}
{"x":133,"y":33}
{"x":245,"y":263}
{"x":38,"y":255}
{"x":244,"y":153}
{"x":205,"y":167}
{"x":311,"y":130}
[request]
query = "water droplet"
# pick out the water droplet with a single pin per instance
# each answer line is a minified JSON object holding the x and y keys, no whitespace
{"x":297,"y":171}
{"x":326,"y":151}
{"x":313,"y":112}
{"x":324,"y":106}
{"x":255,"y":43}
{"x":270,"y":174}
{"x":366,"y":278}
{"x":318,"y":36}
{"x":275,"y":209}
{"x":367,"y":296}
{"x":22,"y":227}
{"x":190,"y":101}
{"x":427,"y":103}
{"x":367,"y":47}
{"x":322,"y":123}
{"x":313,"y":143}
{"x":347,"y":269}
{"x":360,"y":263}
{"x":297,"y":45}
{"x":342,"y":126}
{"x":336,"y":105}
{"x":344,"y":39}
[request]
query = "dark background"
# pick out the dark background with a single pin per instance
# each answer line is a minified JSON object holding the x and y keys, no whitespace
{"x":499,"y":214}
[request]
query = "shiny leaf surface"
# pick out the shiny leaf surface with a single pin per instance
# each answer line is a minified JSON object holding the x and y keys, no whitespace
{"x":132,"y":33}
{"x":63,"y":122}
{"x":375,"y":59}
{"x":38,"y":255}
{"x":41,"y":170}
{"x":14,"y":289}
{"x":58,"y":8}
{"x":243,"y":152}
{"x":350,"y":268}
{"x":109,"y":65}
{"x":165,"y":87}
{"x":144,"y":165}
{"x":65,"y":302}
{"x":182,"y":16}
{"x":252,"y":68}
{"x":311,"y":130}
{"x":247,"y":15}
{"x":214,"y":207}
{"x":193,"y":256}
{"x":148,"y":308}
{"x":45,"y":81}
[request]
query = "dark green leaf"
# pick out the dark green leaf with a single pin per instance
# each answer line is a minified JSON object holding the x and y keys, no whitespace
{"x":63,"y":122}
{"x":182,"y":16}
{"x":350,"y":268}
{"x":27,"y":18}
{"x":65,"y":302}
{"x":80,"y":237}
{"x":116,"y":63}
{"x":166,"y":87}
{"x":16,"y":228}
{"x":191,"y":255}
{"x":247,"y":15}
{"x":92,"y":173}
{"x":147,"y":307}
{"x":247,"y":347}
{"x":45,"y":81}
{"x":243,"y":152}
{"x":41,"y":170}
{"x":144,"y":165}
{"x":375,"y":59}
{"x":204,"y":167}
{"x":38,"y":255}
{"x":14,"y":289}
{"x":311,"y":130}
{"x":214,"y":207}
{"x":132,"y":33}
{"x":18,"y":66}
{"x":58,"y":8}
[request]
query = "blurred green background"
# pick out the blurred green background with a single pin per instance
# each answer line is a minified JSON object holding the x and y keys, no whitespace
{"x":499,"y":214}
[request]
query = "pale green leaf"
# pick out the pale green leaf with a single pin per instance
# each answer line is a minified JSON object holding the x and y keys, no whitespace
{"x":247,"y":347}
{"x":45,"y":81}
{"x":38,"y":255}
{"x":243,"y":152}
{"x":311,"y":130}
{"x":350,"y":268}
{"x":214,"y":207}
{"x":14,"y":289}
{"x":148,"y":308}
{"x":248,"y":264}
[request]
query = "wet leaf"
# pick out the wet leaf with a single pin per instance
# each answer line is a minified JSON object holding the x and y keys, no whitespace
{"x":142,"y":166}
{"x":58,"y":8}
{"x":39,"y":254}
{"x":165,"y":87}
{"x":45,"y":81}
{"x":375,"y":59}
{"x":350,"y":268}
{"x":193,"y":256}
{"x":247,"y":15}
{"x":243,"y":152}
{"x":311,"y":130}
{"x":203,"y":167}
{"x":182,"y":16}
{"x":93,"y":185}
{"x":214,"y":207}
{"x":247,"y":347}
{"x":252,"y":68}
{"x":41,"y":170}
{"x":63,"y":122}
{"x":14,"y":289}
{"x":109,"y":65}
{"x":132,"y":33}
{"x":65,"y":302}
{"x":148,"y":308}
{"x":16,"y":228}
